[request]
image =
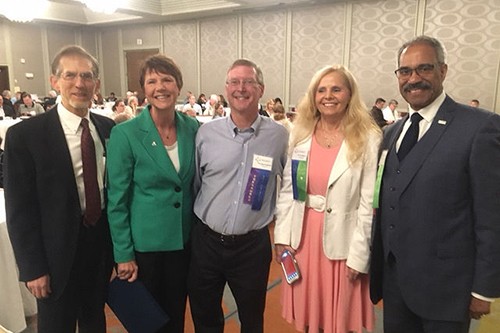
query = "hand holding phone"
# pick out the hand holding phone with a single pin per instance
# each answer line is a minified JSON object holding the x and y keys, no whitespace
{"x":290,"y":267}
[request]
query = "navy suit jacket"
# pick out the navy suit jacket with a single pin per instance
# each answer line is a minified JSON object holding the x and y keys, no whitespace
{"x":439,"y":213}
{"x":41,"y":196}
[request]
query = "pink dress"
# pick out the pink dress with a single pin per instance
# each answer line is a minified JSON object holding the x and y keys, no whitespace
{"x":324,"y":298}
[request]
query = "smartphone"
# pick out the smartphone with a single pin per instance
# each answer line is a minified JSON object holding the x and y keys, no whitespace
{"x":290,"y":267}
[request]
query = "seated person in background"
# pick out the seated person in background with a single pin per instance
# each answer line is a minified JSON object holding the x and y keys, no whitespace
{"x":119,"y":109}
{"x":98,"y":100}
{"x":202,"y":100}
{"x":7,"y":98}
{"x":191,"y":107}
{"x":50,"y":101}
{"x":132,"y":104}
{"x":223,"y":101}
{"x":389,"y":110}
{"x":218,"y":110}
{"x":474,"y":103}
{"x":29,"y":107}
{"x":280,"y":117}
{"x":376,"y":112}
{"x":6,"y":110}
{"x":112,"y":97}
{"x":269,"y":109}
{"x":209,"y":106}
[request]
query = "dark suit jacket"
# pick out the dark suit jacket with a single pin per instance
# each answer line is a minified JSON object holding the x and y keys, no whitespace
{"x":378,"y":116}
{"x":42,"y":203}
{"x":440,"y":213}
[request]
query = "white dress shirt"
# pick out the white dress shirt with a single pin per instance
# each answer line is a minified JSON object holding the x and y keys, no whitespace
{"x":71,"y":124}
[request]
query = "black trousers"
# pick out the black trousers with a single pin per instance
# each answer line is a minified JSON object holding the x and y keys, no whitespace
{"x":82,"y":301}
{"x":398,"y":317}
{"x":243,"y":262}
{"x":164,"y":274}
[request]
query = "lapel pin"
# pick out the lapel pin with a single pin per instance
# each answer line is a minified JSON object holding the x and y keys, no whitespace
{"x":442,"y":122}
{"x":153,"y":144}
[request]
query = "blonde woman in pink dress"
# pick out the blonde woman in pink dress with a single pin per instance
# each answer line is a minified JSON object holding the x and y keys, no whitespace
{"x":324,"y":211}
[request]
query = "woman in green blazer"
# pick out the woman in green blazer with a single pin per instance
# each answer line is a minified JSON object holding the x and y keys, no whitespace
{"x":150,"y":173}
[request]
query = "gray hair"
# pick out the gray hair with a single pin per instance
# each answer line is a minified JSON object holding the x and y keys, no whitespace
{"x":433,"y":42}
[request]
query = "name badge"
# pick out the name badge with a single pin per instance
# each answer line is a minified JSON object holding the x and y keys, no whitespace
{"x":257,"y":181}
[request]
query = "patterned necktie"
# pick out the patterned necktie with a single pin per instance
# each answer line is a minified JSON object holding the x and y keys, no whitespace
{"x":92,"y":194}
{"x":411,"y":136}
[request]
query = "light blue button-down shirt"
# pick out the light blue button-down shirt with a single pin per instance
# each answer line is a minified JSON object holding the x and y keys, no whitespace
{"x":224,"y":157}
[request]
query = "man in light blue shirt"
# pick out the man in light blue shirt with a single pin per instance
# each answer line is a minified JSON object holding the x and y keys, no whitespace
{"x":239,"y":159}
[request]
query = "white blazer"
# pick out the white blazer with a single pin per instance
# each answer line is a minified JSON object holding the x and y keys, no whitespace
{"x":348,"y":207}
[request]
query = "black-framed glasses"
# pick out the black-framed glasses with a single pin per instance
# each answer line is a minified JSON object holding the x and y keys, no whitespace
{"x":421,"y":70}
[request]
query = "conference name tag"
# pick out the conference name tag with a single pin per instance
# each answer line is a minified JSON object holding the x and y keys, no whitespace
{"x":257,"y":181}
{"x":299,"y":173}
{"x":378,"y":181}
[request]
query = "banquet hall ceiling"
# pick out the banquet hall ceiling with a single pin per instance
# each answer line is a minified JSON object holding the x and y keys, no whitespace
{"x":141,"y":11}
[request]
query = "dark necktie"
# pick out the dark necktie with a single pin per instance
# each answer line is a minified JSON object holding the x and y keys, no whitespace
{"x":411,"y":136}
{"x":92,"y":194}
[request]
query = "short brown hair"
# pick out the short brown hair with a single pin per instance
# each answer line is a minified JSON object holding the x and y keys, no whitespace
{"x":161,"y":64}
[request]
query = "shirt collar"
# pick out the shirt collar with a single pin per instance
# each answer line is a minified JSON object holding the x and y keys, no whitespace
{"x":430,"y":111}
{"x":70,"y":120}
{"x":235,"y":130}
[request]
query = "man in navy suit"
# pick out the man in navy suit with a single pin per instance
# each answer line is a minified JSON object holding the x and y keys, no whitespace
{"x":436,"y":247}
{"x":63,"y":254}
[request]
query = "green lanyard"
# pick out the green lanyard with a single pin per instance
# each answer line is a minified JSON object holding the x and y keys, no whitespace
{"x":378,"y":181}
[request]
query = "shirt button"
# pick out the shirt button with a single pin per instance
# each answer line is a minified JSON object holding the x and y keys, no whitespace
{"x":391,"y":208}
{"x":398,"y":171}
{"x":177,"y":204}
{"x":392,"y":227}
{"x":177,"y":189}
{"x":392,"y":189}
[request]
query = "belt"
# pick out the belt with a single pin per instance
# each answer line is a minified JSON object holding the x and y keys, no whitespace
{"x":316,"y":202}
{"x":231,"y":238}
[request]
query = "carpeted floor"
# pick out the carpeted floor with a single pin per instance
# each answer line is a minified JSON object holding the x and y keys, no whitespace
{"x":274,"y":323}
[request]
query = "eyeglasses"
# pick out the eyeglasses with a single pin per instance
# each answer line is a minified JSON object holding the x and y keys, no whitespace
{"x":421,"y":70}
{"x":71,"y":76}
{"x":244,"y":82}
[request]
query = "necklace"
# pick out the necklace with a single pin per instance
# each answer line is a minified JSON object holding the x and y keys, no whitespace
{"x":328,"y":138}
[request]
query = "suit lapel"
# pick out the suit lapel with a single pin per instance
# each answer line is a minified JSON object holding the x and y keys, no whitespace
{"x":421,"y":151}
{"x":340,"y":165}
{"x":153,"y":145}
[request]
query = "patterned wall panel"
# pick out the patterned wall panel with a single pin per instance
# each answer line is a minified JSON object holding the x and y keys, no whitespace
{"x":219,"y":48}
{"x":470,"y":32}
{"x":378,"y":30}
{"x":180,"y":42}
{"x":317,"y":41}
{"x":111,"y":44}
{"x":263,"y":38}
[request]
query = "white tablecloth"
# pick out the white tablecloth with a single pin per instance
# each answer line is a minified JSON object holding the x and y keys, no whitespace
{"x":4,"y":125}
{"x":16,"y":302}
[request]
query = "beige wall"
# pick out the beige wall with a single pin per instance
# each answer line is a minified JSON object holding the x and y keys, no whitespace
{"x":289,"y":45}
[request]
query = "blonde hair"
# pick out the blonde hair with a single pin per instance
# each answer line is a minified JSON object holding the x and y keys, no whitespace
{"x":356,"y":123}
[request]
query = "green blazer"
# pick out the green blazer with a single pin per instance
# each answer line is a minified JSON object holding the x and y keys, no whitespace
{"x":149,"y":203}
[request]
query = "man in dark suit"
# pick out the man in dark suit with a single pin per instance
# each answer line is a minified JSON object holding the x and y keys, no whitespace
{"x":436,"y":246}
{"x":377,"y":114}
{"x":59,"y":231}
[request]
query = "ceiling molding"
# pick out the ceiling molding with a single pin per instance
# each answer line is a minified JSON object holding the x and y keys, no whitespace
{"x":142,"y":11}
